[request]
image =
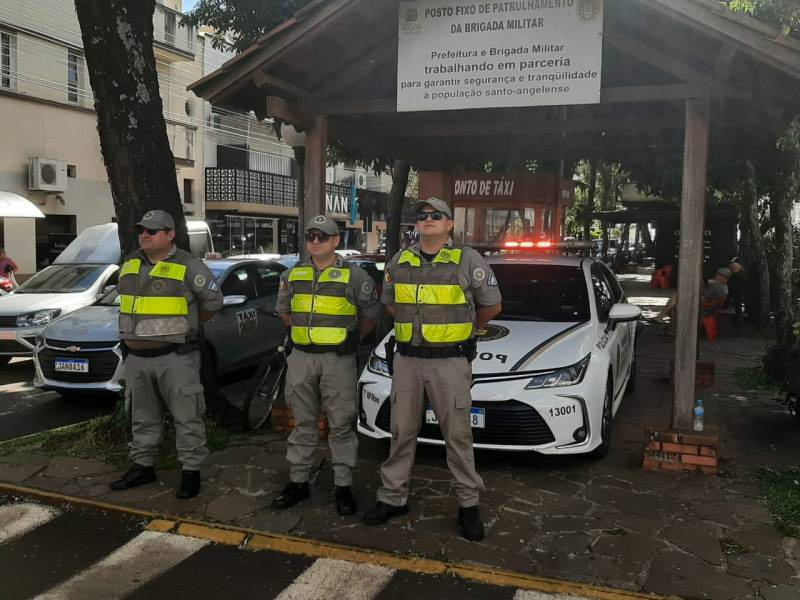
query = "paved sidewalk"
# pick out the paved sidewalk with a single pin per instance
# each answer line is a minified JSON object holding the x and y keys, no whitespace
{"x":606,"y":522}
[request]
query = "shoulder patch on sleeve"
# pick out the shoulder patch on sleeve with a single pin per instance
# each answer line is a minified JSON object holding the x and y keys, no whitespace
{"x":492,"y":281}
{"x":479,"y":274}
{"x":199,"y":281}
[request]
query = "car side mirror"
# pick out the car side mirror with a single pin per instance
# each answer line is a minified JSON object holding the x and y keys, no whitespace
{"x":234,"y":301}
{"x":623,"y":313}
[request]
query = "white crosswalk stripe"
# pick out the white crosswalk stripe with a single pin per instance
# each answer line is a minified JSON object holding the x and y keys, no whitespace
{"x":534,"y":595}
{"x":19,"y":519}
{"x":340,"y":579}
{"x":145,"y":557}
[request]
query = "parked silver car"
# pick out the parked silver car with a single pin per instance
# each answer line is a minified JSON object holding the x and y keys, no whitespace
{"x":81,"y":352}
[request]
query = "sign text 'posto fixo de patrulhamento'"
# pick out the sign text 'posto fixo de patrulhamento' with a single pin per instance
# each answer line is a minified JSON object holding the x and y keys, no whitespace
{"x":458,"y":54}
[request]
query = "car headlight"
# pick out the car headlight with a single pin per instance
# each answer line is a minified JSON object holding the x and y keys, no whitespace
{"x":378,"y":365}
{"x":37,"y":319}
{"x":570,"y":375}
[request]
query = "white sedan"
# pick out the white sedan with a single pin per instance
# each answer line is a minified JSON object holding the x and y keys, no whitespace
{"x":551,"y":369}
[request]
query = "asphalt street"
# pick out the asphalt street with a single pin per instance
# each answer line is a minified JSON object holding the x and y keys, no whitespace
{"x":25,"y":409}
{"x":58,"y":551}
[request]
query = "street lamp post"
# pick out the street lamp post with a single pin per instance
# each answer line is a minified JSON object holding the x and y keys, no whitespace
{"x":297,"y":140}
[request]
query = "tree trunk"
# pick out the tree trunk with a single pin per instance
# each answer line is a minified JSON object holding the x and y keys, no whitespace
{"x":649,"y":246}
{"x":605,"y":180}
{"x":397,"y":196}
{"x":756,"y":265}
{"x":781,"y":213}
{"x":587,"y":217}
{"x":118,"y":45}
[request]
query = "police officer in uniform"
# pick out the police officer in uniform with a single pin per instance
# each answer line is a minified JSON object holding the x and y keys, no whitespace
{"x":439,"y":297}
{"x":165,"y":296}
{"x":328,"y":305}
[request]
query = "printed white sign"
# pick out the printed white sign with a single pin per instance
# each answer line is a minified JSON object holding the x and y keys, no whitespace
{"x":247,"y":320}
{"x":458,"y":54}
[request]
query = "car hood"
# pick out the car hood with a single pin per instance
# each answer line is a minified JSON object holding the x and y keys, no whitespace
{"x":19,"y":304}
{"x":90,"y":324}
{"x":528,"y":346}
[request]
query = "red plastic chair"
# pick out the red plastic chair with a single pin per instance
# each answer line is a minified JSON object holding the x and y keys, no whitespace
{"x":711,"y":326}
{"x":660,"y":278}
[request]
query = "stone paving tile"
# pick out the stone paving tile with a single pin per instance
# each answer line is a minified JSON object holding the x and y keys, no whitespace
{"x":765,"y":540}
{"x":24,"y":458}
{"x":683,"y":575}
{"x":716,"y":510}
{"x":620,"y":520}
{"x":272,"y":521}
{"x":248,"y":480}
{"x":629,"y":547}
{"x":553,"y":504}
{"x":17,"y":473}
{"x":233,"y":506}
{"x":698,"y":538}
{"x":760,"y":567}
{"x":749,"y":509}
{"x":780,"y":592}
{"x":67,"y":468}
{"x":589,"y":569}
{"x":459,"y":550}
{"x":570,"y":544}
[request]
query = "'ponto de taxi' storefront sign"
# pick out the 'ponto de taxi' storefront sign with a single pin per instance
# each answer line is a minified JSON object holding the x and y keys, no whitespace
{"x":458,"y":54}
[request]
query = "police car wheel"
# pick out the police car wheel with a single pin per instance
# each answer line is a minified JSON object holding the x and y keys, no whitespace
{"x":605,"y":423}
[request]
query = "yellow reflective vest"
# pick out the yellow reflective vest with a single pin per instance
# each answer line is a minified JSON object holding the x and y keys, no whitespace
{"x":157,"y":305}
{"x":433,"y":305}
{"x":321,"y":313}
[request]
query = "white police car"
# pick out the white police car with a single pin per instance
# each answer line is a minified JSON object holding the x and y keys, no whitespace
{"x":551,"y":369}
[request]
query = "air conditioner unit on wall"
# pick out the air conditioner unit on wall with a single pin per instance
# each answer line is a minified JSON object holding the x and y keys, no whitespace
{"x":361,"y":181}
{"x":47,"y":175}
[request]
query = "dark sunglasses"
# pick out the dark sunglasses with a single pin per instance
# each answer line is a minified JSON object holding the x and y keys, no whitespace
{"x":424,"y":215}
{"x":320,"y":235}
{"x":140,"y":230}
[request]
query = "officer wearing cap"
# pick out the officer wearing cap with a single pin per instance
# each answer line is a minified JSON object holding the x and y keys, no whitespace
{"x":328,"y":305}
{"x":439,"y":297}
{"x":165,"y":295}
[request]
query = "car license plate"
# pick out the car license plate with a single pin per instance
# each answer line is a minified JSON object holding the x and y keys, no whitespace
{"x":72,"y":365}
{"x":477,"y":417}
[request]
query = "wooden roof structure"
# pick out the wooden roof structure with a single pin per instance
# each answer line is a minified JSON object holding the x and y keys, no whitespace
{"x":339,"y":58}
{"x":686,"y":75}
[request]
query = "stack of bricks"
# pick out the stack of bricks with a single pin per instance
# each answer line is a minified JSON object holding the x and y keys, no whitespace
{"x":670,"y":450}
{"x":282,"y":421}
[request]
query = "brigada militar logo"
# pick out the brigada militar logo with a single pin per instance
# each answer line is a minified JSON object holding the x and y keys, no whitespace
{"x":411,"y":15}
{"x":589,"y":10}
{"x":410,"y":22}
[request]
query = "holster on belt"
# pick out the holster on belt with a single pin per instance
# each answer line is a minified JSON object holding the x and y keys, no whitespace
{"x":389,"y":348}
{"x":470,"y":349}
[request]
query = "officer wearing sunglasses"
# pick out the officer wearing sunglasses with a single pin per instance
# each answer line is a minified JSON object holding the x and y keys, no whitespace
{"x":439,"y":296}
{"x":328,"y":306}
{"x":165,"y":296}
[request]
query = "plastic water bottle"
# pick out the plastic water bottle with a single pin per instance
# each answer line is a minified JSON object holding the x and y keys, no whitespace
{"x":699,"y":414}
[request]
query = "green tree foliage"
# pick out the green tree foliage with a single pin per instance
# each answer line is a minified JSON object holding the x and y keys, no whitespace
{"x":782,"y":14}
{"x":246,"y":20}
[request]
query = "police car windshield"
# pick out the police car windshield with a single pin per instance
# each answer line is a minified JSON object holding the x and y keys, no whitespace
{"x":555,"y":293}
{"x":63,"y":279}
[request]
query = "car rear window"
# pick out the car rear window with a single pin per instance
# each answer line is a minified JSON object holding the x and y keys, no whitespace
{"x":543,"y":292}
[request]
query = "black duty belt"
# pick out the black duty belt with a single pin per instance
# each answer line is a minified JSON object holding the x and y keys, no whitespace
{"x":155,"y":352}
{"x":433,"y":352}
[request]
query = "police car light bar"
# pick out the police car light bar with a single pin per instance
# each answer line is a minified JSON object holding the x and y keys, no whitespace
{"x":532,"y":246}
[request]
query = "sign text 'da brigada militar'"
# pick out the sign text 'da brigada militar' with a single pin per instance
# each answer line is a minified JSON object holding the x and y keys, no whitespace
{"x":457,"y":54}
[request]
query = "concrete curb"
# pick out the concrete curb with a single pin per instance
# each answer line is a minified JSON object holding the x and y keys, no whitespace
{"x":251,"y":539}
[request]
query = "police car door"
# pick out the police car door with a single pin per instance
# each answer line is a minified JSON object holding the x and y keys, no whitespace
{"x":609,"y":341}
{"x":271,"y":330}
{"x":237,"y":325}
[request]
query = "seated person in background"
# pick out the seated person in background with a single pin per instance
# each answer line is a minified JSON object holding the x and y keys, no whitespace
{"x":736,"y":287}
{"x":712,"y":295}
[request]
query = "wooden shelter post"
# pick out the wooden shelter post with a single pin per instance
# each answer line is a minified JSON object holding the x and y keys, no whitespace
{"x":315,"y":163}
{"x":693,"y":202}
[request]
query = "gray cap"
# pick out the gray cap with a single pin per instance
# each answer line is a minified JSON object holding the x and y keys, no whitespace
{"x":324,"y":224}
{"x":725,"y":272}
{"x":157,"y":219}
{"x":436,"y":204}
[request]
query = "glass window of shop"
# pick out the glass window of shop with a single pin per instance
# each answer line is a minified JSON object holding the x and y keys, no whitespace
{"x":239,"y":234}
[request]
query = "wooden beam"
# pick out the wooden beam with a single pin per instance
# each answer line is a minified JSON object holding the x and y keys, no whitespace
{"x":315,"y":163}
{"x":288,"y":112}
{"x":690,"y":261}
{"x":262,"y":79}
{"x":365,"y":64}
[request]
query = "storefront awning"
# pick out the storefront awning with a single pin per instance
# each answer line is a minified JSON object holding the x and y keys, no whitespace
{"x":14,"y":205}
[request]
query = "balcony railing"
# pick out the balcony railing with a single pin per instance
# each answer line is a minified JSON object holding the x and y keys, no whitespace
{"x":256,"y":187}
{"x":168,"y":31}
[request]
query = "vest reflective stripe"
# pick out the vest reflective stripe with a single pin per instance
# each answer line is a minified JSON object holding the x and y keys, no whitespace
{"x":302,"y":274}
{"x":169,"y":270}
{"x":323,"y":336}
{"x":156,"y":306}
{"x":432,"y":302}
{"x":131,"y":267}
{"x":403,"y":332}
{"x":323,"y":305}
{"x":432,"y":293}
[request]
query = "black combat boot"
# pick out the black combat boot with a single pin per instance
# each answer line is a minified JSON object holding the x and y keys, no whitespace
{"x":470,"y":523}
{"x":291,"y":495}
{"x":190,"y":484}
{"x":136,"y":475}
{"x":382,"y":512}
{"x":345,"y":503}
